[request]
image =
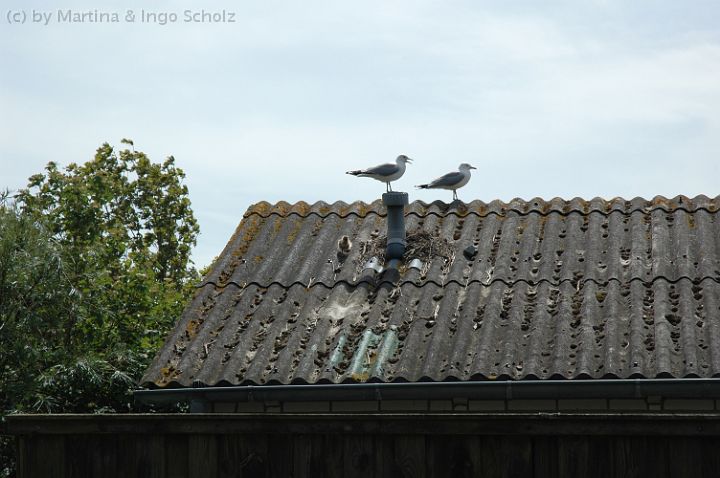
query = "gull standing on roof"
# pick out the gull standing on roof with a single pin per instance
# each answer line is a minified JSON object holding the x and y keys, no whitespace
{"x":454,"y":180}
{"x":386,"y":173}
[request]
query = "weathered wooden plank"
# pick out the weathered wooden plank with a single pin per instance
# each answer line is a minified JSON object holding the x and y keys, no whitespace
{"x":489,"y":459}
{"x":385,"y":456}
{"x":467,"y":455}
{"x":45,"y":456}
{"x":229,"y":456}
{"x":400,"y":455}
{"x":603,"y":456}
{"x":688,"y":458}
{"x":127,"y":454}
{"x":711,"y":460}
{"x":22,"y":458}
{"x":499,"y":456}
{"x":243,"y":456}
{"x":78,"y":455}
{"x":573,"y":455}
{"x":332,"y":455}
{"x":328,"y":455}
{"x":254,"y":454}
{"x":450,"y":456}
{"x":280,"y":455}
{"x":517,"y":452}
{"x":102,"y":450}
{"x":307,"y":456}
{"x":318,"y":455}
{"x":631,"y":457}
{"x":77,"y":460}
{"x":141,"y":456}
{"x":358,"y":456}
{"x":301,"y":456}
{"x":97,"y":455}
{"x":545,"y":457}
{"x":176,"y":456}
{"x":202,"y":456}
{"x":638,"y":457}
{"x":150,"y":456}
{"x":599,"y":455}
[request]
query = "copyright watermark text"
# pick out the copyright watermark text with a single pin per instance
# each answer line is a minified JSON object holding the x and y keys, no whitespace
{"x":70,"y":16}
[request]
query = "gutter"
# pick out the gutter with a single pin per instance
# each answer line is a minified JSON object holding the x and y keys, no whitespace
{"x":708,"y":388}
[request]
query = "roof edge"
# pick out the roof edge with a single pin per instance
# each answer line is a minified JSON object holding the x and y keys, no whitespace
{"x":477,"y":390}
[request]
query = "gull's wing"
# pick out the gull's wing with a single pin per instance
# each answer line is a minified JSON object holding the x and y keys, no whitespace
{"x":447,"y":180}
{"x":387,"y":169}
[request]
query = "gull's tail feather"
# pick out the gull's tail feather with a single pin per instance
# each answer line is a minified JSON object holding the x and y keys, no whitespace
{"x":423,"y":186}
{"x":357,"y":172}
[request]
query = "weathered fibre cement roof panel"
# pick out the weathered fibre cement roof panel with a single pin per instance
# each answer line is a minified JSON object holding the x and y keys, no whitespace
{"x":558,"y":289}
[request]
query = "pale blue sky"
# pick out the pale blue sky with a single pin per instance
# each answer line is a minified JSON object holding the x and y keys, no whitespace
{"x":547,"y":98}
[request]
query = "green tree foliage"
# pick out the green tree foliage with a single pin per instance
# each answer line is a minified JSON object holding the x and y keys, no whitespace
{"x":128,"y":229}
{"x":34,"y":289}
{"x":94,"y":270}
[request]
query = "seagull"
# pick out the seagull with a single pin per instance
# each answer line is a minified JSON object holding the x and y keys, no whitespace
{"x":385,"y":172}
{"x":454,"y":180}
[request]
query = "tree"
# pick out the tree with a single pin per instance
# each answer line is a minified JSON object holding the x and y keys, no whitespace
{"x":34,"y":290}
{"x":94,"y":270}
{"x":128,"y":229}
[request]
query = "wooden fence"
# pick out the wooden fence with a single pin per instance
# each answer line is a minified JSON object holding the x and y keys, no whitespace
{"x":367,"y":445}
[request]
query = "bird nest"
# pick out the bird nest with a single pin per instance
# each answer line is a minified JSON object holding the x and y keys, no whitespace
{"x":420,"y":245}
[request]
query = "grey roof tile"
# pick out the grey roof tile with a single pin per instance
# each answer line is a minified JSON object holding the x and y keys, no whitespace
{"x":557,"y":289}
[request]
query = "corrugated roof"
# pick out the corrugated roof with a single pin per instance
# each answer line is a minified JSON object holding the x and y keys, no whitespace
{"x":556,"y":289}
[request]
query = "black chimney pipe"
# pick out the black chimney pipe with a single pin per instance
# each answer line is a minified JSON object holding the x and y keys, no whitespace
{"x":395,"y":203}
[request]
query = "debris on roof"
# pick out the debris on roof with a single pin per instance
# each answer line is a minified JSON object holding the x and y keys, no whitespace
{"x":421,"y":245}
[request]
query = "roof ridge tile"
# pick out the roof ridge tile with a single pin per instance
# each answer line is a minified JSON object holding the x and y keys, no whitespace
{"x":480,"y":208}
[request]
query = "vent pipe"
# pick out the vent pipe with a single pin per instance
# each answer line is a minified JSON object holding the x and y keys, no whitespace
{"x":395,"y":203}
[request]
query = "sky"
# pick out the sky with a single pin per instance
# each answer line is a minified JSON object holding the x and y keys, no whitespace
{"x":546,"y":98}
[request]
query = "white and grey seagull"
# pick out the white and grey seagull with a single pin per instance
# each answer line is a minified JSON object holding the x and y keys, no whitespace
{"x":386,"y":173}
{"x":454,"y":180}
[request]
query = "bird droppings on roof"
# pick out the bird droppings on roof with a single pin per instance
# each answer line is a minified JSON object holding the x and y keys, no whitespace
{"x":558,"y":289}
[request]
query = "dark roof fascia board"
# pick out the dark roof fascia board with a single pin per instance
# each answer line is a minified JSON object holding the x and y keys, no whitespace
{"x":705,"y":388}
{"x":414,"y":424}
